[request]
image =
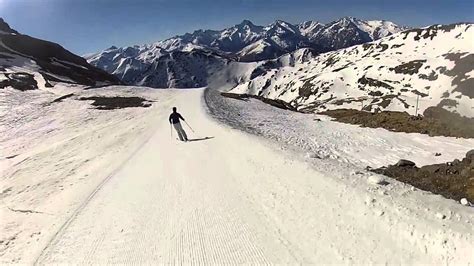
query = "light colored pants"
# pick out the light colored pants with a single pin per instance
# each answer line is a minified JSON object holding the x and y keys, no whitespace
{"x":181,"y":134}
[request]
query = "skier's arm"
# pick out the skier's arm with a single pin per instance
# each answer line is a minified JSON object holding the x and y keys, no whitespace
{"x":169,"y":119}
{"x":181,"y":117}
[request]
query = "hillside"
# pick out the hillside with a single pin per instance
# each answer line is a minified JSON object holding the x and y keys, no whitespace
{"x":27,"y":63}
{"x":433,"y":65}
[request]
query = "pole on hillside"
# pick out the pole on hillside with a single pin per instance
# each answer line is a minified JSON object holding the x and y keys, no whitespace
{"x":171,"y":131}
{"x":416,"y":110}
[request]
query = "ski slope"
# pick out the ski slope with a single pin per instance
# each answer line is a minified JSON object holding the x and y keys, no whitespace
{"x":236,"y":198}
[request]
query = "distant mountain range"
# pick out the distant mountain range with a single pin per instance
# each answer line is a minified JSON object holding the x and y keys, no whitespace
{"x":206,"y":50}
{"x":27,"y":63}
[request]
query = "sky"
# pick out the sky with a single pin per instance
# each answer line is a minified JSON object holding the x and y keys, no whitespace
{"x":85,"y":26}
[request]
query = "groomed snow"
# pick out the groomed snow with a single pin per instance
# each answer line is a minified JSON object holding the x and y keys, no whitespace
{"x":53,"y":155}
{"x":131,"y":194}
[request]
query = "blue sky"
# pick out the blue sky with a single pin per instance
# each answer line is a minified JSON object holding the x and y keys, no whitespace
{"x":84,"y":26}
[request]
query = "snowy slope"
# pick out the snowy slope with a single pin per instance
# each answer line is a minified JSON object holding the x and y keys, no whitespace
{"x":242,"y":42}
{"x":434,"y":63}
{"x":348,"y":31}
{"x":53,"y":154}
{"x":27,"y":63}
{"x":110,"y":187}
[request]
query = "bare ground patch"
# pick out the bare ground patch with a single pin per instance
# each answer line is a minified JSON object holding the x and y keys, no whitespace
{"x":453,"y":180}
{"x":435,"y":121}
{"x":274,"y":102}
{"x":110,"y":103}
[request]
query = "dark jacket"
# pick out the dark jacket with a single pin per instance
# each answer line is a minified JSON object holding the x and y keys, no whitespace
{"x":174,"y":118}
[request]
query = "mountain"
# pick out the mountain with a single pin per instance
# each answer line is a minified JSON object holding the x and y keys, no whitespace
{"x":28,"y":63}
{"x":155,"y":67}
{"x":248,"y":42}
{"x":179,"y":69}
{"x":348,"y":31}
{"x":243,"y":42}
{"x":433,"y":65}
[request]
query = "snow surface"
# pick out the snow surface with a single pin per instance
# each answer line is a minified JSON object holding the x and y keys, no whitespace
{"x":54,"y":154}
{"x":112,"y":187}
{"x":320,"y":137}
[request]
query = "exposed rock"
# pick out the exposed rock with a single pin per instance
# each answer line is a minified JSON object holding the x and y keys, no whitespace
{"x":110,"y":103}
{"x":277,"y":103}
{"x":405,"y":163}
{"x":435,"y":121}
{"x":454,"y":180}
{"x":409,"y":68}
{"x":19,"y":81}
{"x":470,"y":155}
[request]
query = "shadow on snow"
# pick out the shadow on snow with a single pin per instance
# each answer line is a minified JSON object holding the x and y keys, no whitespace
{"x":200,"y":139}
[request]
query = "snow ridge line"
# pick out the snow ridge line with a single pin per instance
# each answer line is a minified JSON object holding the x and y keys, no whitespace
{"x":91,"y":196}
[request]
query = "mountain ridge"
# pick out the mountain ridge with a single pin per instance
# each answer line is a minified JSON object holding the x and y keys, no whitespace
{"x":28,"y":63}
{"x":244,"y":42}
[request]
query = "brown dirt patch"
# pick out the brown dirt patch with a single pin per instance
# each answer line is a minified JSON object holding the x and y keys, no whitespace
{"x":434,"y":122}
{"x":453,"y":180}
{"x":277,"y":103}
{"x":110,"y":103}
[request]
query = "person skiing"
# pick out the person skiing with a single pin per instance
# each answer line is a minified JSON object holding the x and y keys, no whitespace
{"x":174,"y":119}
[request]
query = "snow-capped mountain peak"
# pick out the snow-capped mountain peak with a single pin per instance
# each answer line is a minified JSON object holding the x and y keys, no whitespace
{"x":379,"y":28}
{"x":280,"y":27}
{"x":310,"y":25}
{"x":244,"y":42}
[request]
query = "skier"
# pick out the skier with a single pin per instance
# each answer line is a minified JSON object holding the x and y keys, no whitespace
{"x":174,"y":119}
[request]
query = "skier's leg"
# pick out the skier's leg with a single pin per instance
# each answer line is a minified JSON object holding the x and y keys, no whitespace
{"x":177,"y":126}
{"x":181,"y":137}
{"x":184,"y":134}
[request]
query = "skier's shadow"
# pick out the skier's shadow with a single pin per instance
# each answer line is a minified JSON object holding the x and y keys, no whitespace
{"x":200,"y":139}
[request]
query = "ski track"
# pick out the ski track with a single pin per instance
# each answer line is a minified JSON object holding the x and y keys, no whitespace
{"x":235,"y":199}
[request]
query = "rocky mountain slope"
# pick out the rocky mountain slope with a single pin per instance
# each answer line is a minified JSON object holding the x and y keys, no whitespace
{"x":433,"y":65}
{"x":27,"y":63}
{"x":243,"y":42}
{"x":154,"y":67}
